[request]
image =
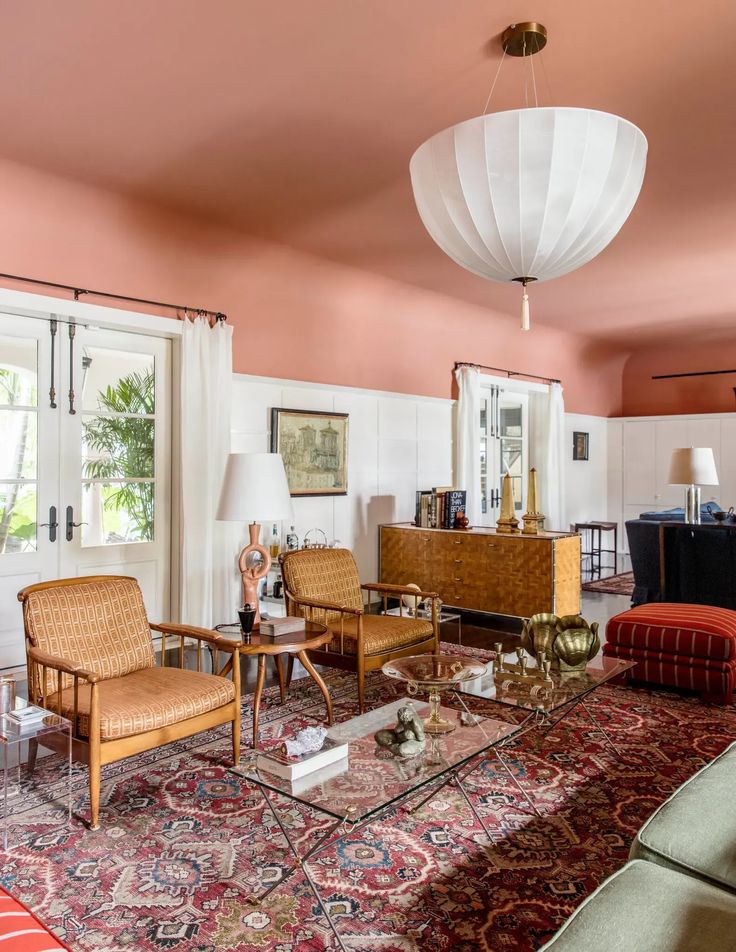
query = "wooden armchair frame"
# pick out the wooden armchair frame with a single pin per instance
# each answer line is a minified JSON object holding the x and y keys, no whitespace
{"x":91,"y":749}
{"x":315,"y":609}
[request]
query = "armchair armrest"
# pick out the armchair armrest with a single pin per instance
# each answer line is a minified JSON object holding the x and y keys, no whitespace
{"x":385,"y":589}
{"x":327,"y":606}
{"x":192,"y":631}
{"x":59,"y":664}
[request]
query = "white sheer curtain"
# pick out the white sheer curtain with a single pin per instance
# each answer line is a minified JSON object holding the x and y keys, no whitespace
{"x":467,"y":440}
{"x":548,"y":454}
{"x":208,"y":585}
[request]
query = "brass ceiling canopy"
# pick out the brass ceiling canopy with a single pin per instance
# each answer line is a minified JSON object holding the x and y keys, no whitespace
{"x":524,"y":39}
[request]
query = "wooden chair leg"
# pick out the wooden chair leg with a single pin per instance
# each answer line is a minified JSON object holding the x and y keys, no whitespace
{"x":361,"y":686}
{"x":289,"y":670}
{"x":236,"y":735}
{"x":94,"y":794}
{"x":282,"y":676}
{"x":32,"y":754}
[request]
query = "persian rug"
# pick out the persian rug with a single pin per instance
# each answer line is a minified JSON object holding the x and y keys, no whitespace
{"x":184,"y":843}
{"x":622,"y":584}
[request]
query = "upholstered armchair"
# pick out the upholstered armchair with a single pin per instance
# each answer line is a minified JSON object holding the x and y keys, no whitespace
{"x":91,"y":659}
{"x":323,"y":585}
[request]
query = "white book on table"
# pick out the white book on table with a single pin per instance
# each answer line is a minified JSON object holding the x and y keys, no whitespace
{"x":291,"y":768}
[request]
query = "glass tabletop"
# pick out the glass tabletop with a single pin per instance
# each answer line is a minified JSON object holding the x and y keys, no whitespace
{"x":534,"y":694}
{"x":11,"y":732}
{"x":429,"y":671}
{"x":425,"y":615}
{"x":371,"y":778}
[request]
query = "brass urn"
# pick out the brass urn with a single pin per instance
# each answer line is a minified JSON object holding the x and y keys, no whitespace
{"x":568,"y":642}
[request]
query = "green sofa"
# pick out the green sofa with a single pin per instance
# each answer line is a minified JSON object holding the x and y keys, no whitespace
{"x":677,"y":893}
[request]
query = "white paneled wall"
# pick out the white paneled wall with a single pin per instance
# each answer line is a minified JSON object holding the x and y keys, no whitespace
{"x":640,"y":449}
{"x":396,"y":445}
{"x":586,"y":481}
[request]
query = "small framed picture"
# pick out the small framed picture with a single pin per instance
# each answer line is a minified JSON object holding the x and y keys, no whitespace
{"x":314,"y":446}
{"x":579,"y":445}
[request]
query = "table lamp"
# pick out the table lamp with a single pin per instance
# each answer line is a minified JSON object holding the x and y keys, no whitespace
{"x":693,"y":466}
{"x":254,"y":488}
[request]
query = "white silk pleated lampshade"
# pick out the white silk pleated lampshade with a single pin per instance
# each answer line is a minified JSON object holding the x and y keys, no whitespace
{"x":254,"y":489}
{"x":693,"y":466}
{"x":528,"y":193}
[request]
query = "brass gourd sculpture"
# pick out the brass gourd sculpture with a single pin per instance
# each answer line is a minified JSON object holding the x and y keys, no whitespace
{"x":569,"y":642}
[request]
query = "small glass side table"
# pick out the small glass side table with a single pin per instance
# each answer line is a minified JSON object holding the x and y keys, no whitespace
{"x":442,"y":617}
{"x":19,"y":744}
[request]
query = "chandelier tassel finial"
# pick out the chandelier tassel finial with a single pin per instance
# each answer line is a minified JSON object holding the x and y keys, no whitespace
{"x":524,"y":308}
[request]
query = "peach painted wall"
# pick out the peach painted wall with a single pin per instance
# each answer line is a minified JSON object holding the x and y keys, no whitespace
{"x":294,"y":316}
{"x":643,"y":396}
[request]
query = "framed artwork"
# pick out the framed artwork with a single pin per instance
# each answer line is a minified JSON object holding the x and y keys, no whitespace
{"x":579,"y":445}
{"x":314,"y":447}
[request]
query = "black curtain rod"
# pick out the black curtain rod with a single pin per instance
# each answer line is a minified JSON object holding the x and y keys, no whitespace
{"x":698,"y":373}
{"x":77,"y":292}
{"x":509,"y":373}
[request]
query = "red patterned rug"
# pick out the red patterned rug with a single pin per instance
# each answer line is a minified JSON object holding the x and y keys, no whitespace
{"x":622,"y":584}
{"x":184,"y":842}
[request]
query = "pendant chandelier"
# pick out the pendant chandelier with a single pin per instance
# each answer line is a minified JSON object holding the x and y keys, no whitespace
{"x":528,"y":194}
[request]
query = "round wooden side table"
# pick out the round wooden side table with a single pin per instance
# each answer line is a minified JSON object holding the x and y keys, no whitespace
{"x":296,"y":644}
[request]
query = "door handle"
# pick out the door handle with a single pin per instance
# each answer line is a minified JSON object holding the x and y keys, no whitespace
{"x":71,"y":525}
{"x":52,"y":525}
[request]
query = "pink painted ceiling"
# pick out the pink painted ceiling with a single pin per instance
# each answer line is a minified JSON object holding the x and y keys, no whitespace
{"x":296,"y":119}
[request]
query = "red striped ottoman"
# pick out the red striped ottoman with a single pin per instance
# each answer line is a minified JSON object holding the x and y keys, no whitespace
{"x":20,"y":931}
{"x":683,"y":646}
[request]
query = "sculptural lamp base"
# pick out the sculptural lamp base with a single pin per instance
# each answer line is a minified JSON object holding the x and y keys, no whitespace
{"x":435,"y":723}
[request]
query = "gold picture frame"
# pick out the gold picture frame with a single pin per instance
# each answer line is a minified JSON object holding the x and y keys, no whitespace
{"x":314,"y":447}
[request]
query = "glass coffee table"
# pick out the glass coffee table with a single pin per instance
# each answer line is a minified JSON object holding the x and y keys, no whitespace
{"x":372,"y":781}
{"x":540,"y":703}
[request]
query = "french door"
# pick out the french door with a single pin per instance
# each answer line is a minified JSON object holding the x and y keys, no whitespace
{"x":85,"y":435}
{"x":504,"y":448}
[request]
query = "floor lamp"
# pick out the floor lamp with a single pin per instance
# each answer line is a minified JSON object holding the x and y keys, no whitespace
{"x":693,"y":467}
{"x":254,"y":489}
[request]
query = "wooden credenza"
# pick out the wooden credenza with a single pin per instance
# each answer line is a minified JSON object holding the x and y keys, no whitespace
{"x":483,"y":570}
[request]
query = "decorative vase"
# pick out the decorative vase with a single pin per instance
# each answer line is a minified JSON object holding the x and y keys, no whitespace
{"x":568,"y":642}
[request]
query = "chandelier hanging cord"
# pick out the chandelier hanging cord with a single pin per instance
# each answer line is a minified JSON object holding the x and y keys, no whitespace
{"x":493,"y":84}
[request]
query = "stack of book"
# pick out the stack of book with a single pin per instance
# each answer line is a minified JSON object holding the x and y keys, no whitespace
{"x":437,"y":508}
{"x":26,"y":718}
{"x":281,"y":628}
{"x":308,"y":769}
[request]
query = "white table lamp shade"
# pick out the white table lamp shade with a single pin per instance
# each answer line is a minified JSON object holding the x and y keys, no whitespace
{"x":693,"y":466}
{"x":255,"y":489}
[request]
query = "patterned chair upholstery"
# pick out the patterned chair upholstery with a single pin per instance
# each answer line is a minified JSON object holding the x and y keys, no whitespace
{"x":91,"y":659}
{"x":324,"y":586}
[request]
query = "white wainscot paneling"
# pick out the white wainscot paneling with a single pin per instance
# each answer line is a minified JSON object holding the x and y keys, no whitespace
{"x":434,"y":462}
{"x":362,"y":430}
{"x":355,"y":521}
{"x":399,"y":495}
{"x":397,"y":456}
{"x":311,"y":512}
{"x":249,"y":442}
{"x":639,"y":467}
{"x":397,"y":419}
{"x":586,"y":481}
{"x":668,"y":435}
{"x":12,"y":644}
{"x":307,"y":398}
{"x":434,"y":421}
{"x":251,"y":405}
